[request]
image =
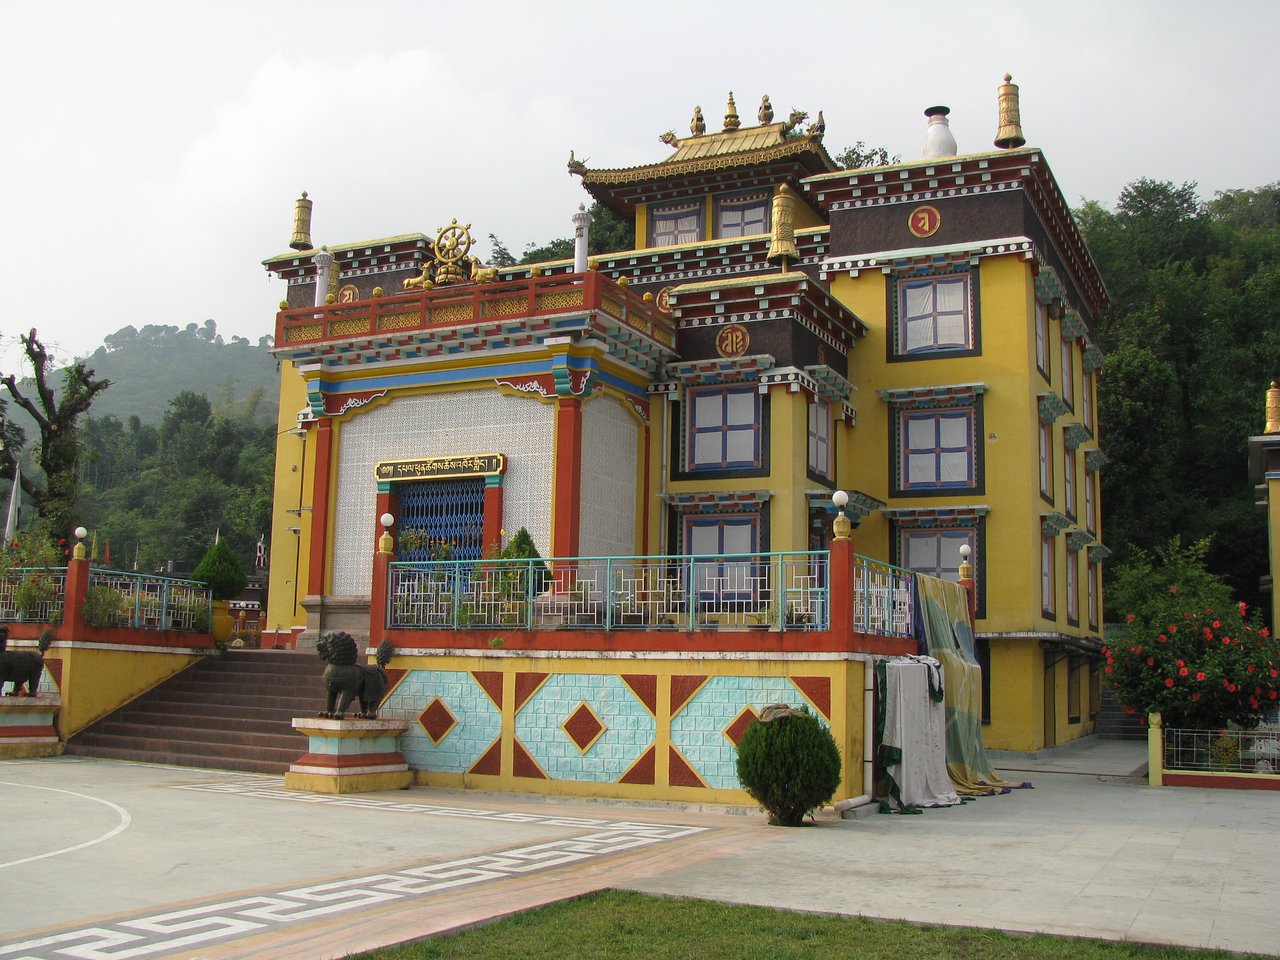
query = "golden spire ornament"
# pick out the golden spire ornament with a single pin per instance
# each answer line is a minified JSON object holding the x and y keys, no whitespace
{"x":301,"y":223}
{"x":765,"y":114}
{"x":782,"y":245}
{"x":1273,"y":408}
{"x":697,"y":126}
{"x":1010,"y":133}
{"x":731,"y":120}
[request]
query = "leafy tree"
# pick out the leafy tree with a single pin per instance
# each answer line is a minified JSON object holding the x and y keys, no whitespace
{"x":610,"y":233}
{"x":57,"y":418}
{"x":789,"y":765}
{"x":221,"y":570}
{"x":860,"y":155}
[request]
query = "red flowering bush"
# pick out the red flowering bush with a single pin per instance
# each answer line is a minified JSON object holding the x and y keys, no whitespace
{"x":1201,"y":670}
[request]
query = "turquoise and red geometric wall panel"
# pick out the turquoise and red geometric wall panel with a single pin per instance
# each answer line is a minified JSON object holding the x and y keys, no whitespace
{"x":452,"y":716}
{"x":585,"y":727}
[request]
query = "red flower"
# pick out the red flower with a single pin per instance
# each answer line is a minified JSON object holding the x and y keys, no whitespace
{"x":1168,"y":681}
{"x":1129,"y":709}
{"x":1182,"y":672}
{"x":1108,"y":670}
{"x":1195,"y":696}
{"x":1139,"y":650}
{"x":1217,"y":624}
{"x":1250,"y":668}
{"x":1272,"y":694}
{"x":1264,"y":632}
{"x":1173,"y":589}
{"x":1151,"y":662}
{"x":1128,"y":618}
{"x":1226,"y":640}
{"x":1172,"y":628}
{"x":1274,"y":673}
{"x":1200,"y":675}
{"x":1231,"y":687}
{"x":1181,"y":663}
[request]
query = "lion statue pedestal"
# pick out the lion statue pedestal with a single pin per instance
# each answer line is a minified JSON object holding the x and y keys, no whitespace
{"x":349,"y":756}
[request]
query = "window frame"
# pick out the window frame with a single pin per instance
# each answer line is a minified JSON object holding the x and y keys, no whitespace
{"x":1042,"y":341}
{"x":673,"y":211}
{"x":1069,"y":464}
{"x":1048,"y":582}
{"x":700,"y":571}
{"x":743,"y":200}
{"x":1068,"y":373}
{"x":1046,"y":461}
{"x":1087,"y":398}
{"x":1073,"y":587}
{"x":690,"y":432}
{"x":973,"y":482}
{"x":821,"y":439}
{"x":1090,"y":501}
{"x":969,"y":345}
{"x":973,"y":533}
{"x":1091,"y":569}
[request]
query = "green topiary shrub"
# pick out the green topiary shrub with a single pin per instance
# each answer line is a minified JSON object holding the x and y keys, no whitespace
{"x":789,"y":763}
{"x":221,"y":571}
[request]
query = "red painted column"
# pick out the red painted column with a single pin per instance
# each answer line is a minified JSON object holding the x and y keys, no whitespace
{"x":491,"y":535}
{"x":77,"y":589}
{"x":840,"y":587}
{"x":566,"y":490}
{"x":378,"y":597}
{"x":323,"y":434}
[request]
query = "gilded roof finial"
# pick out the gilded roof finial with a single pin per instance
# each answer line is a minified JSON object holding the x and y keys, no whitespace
{"x":1010,"y":133}
{"x":818,"y":127}
{"x":731,"y":121}
{"x":697,"y":126}
{"x":301,"y":224}
{"x":766,"y":111}
{"x":1273,"y":408}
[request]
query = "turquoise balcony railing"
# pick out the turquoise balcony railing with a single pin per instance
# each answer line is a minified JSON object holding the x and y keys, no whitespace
{"x":777,"y":591}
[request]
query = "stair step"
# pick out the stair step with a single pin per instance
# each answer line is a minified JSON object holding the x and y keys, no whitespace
{"x":232,"y":711}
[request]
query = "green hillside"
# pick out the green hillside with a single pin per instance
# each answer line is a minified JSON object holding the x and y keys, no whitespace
{"x":151,"y":366}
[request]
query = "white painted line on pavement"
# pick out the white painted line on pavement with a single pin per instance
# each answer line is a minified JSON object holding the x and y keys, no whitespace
{"x":120,"y":827}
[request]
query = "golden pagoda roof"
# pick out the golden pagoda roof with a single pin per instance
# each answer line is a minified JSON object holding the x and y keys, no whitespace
{"x":748,"y":146}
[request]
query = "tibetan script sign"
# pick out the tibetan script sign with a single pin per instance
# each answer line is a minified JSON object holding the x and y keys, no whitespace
{"x":924,"y":221}
{"x":429,"y":468}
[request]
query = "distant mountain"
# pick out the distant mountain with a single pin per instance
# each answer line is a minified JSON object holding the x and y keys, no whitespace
{"x":149,"y":367}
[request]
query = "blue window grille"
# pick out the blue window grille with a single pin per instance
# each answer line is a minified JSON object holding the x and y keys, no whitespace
{"x":446,"y":512}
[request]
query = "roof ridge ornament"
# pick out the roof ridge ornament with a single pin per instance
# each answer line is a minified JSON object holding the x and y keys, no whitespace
{"x":765,"y":114}
{"x":731,"y":119}
{"x":697,"y":126}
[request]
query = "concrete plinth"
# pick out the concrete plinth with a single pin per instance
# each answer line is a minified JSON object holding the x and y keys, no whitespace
{"x":27,"y":728}
{"x":349,"y":756}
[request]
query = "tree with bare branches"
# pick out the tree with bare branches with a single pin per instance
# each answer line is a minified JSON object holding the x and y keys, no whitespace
{"x":56,"y":415}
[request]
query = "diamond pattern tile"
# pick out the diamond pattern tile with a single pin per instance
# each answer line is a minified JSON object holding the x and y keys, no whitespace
{"x":583,"y":727}
{"x":437,"y":721}
{"x":735,"y":730}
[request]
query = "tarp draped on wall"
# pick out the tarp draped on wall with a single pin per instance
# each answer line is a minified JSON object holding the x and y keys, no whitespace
{"x":942,"y":608}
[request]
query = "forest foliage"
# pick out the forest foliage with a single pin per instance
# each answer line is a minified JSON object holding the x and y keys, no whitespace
{"x":1192,"y":340}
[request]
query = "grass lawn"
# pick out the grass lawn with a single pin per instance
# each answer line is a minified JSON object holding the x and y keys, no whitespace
{"x":621,"y":926}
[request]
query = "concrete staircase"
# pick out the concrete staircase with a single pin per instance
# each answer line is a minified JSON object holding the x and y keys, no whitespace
{"x":232,"y":711}
{"x":1114,"y":724}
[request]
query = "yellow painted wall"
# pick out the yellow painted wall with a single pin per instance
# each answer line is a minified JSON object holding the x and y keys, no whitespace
{"x":1017,"y":695}
{"x":97,"y":681}
{"x":289,"y":552}
{"x":1273,"y":548}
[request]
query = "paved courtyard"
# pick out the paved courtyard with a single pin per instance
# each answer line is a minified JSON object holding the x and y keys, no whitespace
{"x":106,"y":859}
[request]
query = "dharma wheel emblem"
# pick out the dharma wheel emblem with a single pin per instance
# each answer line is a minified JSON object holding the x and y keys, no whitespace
{"x":452,"y":245}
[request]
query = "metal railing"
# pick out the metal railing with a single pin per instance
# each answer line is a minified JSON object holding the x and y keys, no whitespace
{"x":738,"y":591}
{"x":147,"y":602}
{"x":1222,"y":751}
{"x":883,"y":598}
{"x":32,"y":594}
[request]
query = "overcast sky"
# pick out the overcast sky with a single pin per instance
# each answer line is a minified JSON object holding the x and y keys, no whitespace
{"x":152,"y":151}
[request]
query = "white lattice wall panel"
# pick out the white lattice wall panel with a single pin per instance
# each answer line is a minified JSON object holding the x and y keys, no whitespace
{"x":610,"y":448}
{"x":438,"y":425}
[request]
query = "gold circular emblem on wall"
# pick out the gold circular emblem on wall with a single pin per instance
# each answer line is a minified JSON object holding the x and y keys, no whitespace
{"x":348,"y":294}
{"x":733,"y":340}
{"x":664,"y":300}
{"x":924,"y":221}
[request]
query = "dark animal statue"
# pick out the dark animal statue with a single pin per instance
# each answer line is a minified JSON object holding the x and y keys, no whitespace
{"x":22,"y":667}
{"x":353,"y":681}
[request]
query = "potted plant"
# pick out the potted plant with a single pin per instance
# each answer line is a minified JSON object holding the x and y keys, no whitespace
{"x":226,"y":579}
